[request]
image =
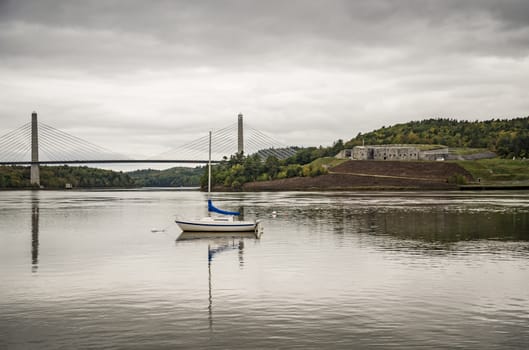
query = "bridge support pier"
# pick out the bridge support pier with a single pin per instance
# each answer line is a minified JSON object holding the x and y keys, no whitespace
{"x":35,"y":173}
{"x":240,"y":137}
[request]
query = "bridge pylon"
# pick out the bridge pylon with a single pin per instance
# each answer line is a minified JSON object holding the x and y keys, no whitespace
{"x":35,"y":173}
{"x":240,"y":133}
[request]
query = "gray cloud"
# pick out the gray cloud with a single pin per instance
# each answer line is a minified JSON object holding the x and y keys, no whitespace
{"x":327,"y":68}
{"x":222,"y":33}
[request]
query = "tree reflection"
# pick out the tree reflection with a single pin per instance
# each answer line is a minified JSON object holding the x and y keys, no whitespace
{"x":421,"y":223}
{"x":454,"y":226}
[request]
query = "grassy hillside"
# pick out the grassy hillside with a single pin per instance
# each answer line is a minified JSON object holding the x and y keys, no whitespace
{"x":328,"y":162}
{"x":493,"y":171}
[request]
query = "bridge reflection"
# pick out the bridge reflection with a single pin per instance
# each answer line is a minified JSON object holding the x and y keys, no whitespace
{"x":35,"y":230}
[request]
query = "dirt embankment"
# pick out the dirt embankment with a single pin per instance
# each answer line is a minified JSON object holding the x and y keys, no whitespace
{"x":354,"y":175}
{"x":433,"y":171}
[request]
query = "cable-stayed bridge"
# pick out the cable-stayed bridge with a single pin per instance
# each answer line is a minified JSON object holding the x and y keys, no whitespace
{"x":36,"y":143}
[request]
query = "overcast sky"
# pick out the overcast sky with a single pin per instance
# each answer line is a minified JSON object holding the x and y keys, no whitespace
{"x":140,"y":77}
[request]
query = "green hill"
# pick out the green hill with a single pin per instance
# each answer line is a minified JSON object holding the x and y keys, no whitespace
{"x":174,"y":177}
{"x":507,"y":137}
{"x":498,"y":171}
{"x":56,"y":177}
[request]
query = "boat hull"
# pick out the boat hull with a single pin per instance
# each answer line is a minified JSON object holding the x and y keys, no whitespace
{"x":200,"y":226}
{"x":196,"y":235}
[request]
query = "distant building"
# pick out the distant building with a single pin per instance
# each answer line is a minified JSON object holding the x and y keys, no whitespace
{"x":393,"y":152}
{"x":385,"y":152}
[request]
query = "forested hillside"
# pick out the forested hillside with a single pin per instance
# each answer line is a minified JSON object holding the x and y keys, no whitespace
{"x":56,"y":177}
{"x":59,"y":176}
{"x":174,"y":177}
{"x":508,"y":138}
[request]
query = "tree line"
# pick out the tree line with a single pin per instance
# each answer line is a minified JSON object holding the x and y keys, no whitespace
{"x":174,"y":177}
{"x":56,"y":177}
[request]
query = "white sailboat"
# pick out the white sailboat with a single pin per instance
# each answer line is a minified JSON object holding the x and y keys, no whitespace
{"x":225,"y":222}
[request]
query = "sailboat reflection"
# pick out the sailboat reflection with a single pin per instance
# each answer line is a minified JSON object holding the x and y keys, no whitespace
{"x":218,"y":243}
{"x":216,"y":236}
{"x":34,"y":231}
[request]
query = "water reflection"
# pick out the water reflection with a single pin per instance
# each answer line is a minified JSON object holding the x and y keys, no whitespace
{"x":34,"y":231}
{"x":219,"y":242}
{"x":340,"y":271}
{"x":216,"y":236}
{"x":430,"y":224}
{"x":446,"y":226}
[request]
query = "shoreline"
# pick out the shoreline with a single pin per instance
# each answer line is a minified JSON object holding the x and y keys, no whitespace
{"x":490,"y":187}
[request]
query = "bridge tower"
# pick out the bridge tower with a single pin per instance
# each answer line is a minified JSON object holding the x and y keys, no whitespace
{"x":35,"y":174}
{"x":240,"y":138}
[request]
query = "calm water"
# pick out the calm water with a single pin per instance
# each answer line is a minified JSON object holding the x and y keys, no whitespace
{"x":332,"y":270}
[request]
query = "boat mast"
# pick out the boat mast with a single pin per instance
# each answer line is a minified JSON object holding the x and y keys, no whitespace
{"x":209,"y":167}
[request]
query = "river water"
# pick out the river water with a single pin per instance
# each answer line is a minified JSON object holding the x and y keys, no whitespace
{"x":110,"y":270}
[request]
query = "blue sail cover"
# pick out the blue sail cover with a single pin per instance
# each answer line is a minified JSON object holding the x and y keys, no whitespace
{"x":212,"y":208}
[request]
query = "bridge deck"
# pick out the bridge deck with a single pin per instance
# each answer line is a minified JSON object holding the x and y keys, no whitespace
{"x":110,"y":161}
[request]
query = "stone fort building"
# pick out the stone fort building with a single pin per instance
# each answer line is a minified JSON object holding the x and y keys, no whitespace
{"x":393,"y":152}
